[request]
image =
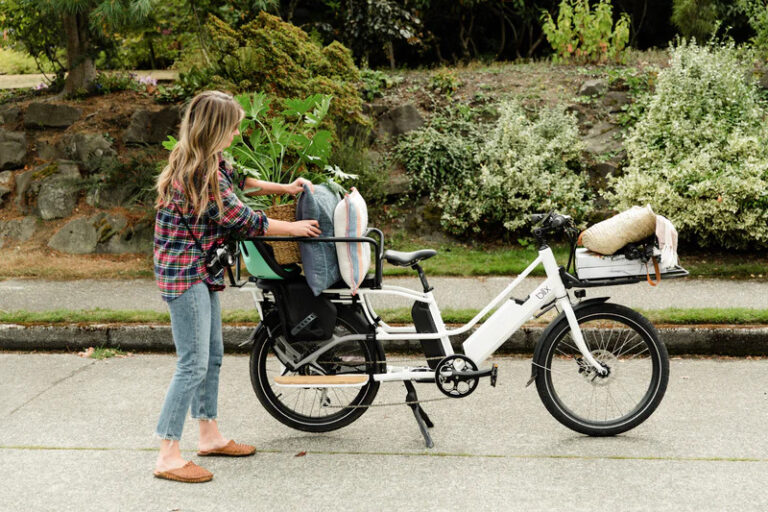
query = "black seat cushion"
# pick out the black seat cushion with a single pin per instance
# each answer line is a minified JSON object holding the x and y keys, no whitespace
{"x":406,"y":259}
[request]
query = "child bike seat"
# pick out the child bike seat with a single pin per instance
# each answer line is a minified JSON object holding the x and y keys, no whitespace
{"x":406,"y":259}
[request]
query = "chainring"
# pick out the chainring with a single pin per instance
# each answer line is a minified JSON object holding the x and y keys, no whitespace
{"x":448,"y":376}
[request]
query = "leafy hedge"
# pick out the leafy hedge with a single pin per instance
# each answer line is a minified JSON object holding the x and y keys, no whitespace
{"x":528,"y":163}
{"x":279,"y":58}
{"x":699,"y":154}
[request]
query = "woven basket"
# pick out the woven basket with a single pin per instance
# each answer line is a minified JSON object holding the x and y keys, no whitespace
{"x":285,"y":252}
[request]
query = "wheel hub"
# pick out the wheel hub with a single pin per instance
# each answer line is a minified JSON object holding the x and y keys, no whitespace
{"x":608,"y":361}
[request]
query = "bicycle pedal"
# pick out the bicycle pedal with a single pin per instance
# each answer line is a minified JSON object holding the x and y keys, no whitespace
{"x":494,"y":374}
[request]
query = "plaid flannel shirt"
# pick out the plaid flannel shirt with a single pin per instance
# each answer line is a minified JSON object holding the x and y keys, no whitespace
{"x":178,"y":262}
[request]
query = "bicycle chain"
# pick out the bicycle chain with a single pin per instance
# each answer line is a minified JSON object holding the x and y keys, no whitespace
{"x":390,"y":404}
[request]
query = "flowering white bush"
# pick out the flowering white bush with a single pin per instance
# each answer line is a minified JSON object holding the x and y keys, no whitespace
{"x":526,"y":166}
{"x":699,"y":155}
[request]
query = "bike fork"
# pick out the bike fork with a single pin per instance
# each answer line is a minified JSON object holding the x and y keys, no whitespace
{"x":565,"y":305}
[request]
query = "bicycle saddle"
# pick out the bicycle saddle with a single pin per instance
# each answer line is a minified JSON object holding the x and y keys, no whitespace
{"x":406,"y":259}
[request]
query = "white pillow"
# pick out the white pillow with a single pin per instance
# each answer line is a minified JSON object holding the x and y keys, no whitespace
{"x":350,"y":219}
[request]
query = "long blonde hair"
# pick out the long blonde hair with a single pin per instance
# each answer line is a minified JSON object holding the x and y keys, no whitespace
{"x":208,"y":121}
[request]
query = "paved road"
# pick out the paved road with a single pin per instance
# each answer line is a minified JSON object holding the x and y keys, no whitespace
{"x":76,"y":434}
{"x":451,"y":293}
{"x":31,"y":80}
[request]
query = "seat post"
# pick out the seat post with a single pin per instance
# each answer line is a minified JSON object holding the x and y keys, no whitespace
{"x":422,"y":277}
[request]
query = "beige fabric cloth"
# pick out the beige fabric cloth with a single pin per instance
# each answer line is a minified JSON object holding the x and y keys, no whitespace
{"x":667,"y":237}
{"x":612,"y":234}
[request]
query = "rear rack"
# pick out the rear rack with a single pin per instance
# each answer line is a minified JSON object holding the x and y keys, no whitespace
{"x":571,"y":281}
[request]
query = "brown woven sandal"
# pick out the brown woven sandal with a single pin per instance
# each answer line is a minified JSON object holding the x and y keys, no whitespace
{"x":231,"y":449}
{"x":188,"y":473}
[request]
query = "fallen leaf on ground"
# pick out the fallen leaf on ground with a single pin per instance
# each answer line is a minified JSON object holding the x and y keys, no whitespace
{"x":87,"y":352}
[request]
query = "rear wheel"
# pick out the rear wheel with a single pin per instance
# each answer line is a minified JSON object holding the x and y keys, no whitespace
{"x":315,"y":409}
{"x":625,"y":343}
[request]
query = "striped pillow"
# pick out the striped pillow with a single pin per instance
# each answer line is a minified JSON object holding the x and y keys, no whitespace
{"x":350,"y":219}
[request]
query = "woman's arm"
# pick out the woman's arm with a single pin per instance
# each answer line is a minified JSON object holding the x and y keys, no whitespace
{"x":265,"y":188}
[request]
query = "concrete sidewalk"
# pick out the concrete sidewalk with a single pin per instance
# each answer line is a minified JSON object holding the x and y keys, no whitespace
{"x":450,"y":292}
{"x":77,"y":435}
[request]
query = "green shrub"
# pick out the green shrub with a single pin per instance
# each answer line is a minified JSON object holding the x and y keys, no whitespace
{"x":699,"y":154}
{"x":352,"y":156}
{"x":441,"y":154}
{"x":757,"y":15}
{"x":434,"y":159}
{"x":585,"y":35}
{"x":185,"y":86}
{"x":695,"y":18}
{"x":445,"y":81}
{"x":527,"y":165}
{"x":279,"y":58}
{"x":374,"y":82}
{"x":639,"y":83}
{"x":14,"y":62}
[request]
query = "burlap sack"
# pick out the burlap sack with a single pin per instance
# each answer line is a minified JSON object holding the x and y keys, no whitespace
{"x":612,"y":234}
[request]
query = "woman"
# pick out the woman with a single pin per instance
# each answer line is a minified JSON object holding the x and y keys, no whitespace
{"x":197,"y":207}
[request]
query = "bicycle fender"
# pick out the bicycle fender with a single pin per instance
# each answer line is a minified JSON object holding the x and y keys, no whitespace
{"x":551,"y":327}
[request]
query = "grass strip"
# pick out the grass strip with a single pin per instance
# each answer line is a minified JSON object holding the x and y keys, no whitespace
{"x":731,"y":316}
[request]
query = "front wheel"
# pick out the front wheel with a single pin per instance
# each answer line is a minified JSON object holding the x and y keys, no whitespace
{"x":628,"y":346}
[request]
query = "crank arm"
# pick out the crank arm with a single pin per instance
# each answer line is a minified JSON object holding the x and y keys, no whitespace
{"x":491,"y":372}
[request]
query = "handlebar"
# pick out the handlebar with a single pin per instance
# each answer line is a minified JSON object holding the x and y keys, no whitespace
{"x":549,"y":223}
{"x":550,"y":220}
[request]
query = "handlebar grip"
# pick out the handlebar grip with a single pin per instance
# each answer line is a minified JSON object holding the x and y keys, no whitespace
{"x":537,"y":217}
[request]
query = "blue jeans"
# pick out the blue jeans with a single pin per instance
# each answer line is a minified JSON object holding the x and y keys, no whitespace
{"x":196,"y":327}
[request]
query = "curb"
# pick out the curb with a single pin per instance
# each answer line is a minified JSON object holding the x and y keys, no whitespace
{"x":726,"y":340}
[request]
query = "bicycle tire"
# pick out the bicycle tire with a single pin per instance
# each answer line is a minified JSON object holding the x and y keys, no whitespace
{"x":263,"y":356}
{"x":631,"y":349}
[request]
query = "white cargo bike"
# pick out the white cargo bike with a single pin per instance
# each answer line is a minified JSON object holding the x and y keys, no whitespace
{"x":317,"y":362}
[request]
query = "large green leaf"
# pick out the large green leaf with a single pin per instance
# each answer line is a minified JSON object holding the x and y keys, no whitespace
{"x":255,"y":106}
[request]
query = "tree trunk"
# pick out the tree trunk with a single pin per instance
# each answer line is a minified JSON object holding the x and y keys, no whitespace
{"x":503,"y":35}
{"x":390,"y":54}
{"x":152,"y":60}
{"x":290,"y":10}
{"x":79,"y":61}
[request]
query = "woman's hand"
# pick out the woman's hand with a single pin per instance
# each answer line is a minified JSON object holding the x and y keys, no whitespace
{"x":298,"y":186}
{"x":305,"y":228}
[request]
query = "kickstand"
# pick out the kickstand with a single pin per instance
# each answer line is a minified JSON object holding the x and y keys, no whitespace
{"x":421,"y":417}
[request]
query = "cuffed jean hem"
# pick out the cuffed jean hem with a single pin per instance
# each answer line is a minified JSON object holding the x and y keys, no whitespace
{"x":203,"y":418}
{"x":166,"y":437}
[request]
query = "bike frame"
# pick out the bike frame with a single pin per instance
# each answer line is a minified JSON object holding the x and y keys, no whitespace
{"x":507,"y":319}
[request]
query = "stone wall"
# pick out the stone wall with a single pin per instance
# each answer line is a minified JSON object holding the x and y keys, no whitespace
{"x":51,"y":154}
